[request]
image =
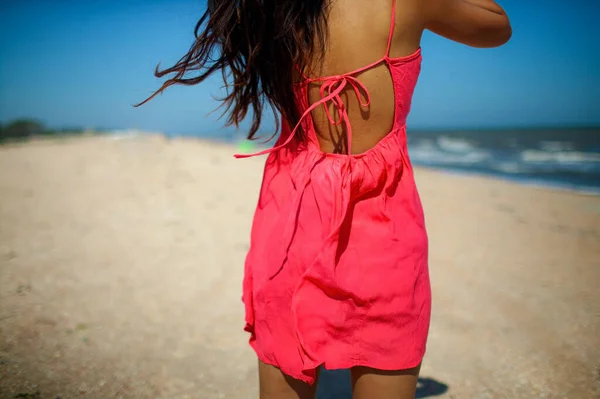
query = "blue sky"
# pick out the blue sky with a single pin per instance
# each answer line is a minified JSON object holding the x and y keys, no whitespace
{"x":83,"y":63}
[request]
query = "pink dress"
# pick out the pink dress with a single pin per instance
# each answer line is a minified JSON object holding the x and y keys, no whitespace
{"x":337,"y":273}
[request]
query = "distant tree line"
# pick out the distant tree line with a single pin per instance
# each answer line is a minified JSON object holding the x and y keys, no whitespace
{"x":23,"y":129}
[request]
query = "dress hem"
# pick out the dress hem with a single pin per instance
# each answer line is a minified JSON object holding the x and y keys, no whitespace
{"x":337,"y":364}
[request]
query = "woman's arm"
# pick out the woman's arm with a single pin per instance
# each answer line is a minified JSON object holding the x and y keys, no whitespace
{"x":476,"y":23}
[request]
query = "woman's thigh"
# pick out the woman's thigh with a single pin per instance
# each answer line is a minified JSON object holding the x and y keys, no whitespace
{"x":274,"y":384}
{"x":370,"y":383}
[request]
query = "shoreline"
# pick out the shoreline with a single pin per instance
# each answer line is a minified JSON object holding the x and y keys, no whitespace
{"x":533,"y":183}
{"x":233,"y":145}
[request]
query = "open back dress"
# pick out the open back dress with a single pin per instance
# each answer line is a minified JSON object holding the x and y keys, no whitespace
{"x":337,"y":272}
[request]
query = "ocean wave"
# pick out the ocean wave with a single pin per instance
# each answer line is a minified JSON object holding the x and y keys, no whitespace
{"x":433,"y":155}
{"x":556,"y":146}
{"x":509,"y":167}
{"x":455,"y":145}
{"x":560,"y":157}
{"x":567,"y":158}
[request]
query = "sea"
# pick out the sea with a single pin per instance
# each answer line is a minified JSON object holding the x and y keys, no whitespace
{"x":566,"y":158}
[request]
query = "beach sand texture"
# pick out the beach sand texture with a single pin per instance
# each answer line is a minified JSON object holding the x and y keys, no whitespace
{"x":121,"y":262}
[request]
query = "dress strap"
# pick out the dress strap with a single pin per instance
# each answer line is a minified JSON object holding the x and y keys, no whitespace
{"x":392,"y":23}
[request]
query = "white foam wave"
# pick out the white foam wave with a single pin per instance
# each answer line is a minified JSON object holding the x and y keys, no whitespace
{"x":508,"y":167}
{"x":562,"y":157}
{"x":455,"y":145}
{"x":432,"y":155}
{"x":556,"y":146}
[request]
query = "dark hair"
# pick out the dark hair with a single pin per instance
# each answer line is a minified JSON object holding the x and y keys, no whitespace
{"x":257,"y":45}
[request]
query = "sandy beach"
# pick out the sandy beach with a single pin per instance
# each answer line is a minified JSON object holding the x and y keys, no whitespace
{"x":121,"y":263}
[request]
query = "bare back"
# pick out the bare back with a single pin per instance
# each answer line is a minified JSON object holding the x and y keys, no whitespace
{"x":358,"y":35}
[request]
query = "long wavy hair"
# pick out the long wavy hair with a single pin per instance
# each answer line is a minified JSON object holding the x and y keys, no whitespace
{"x":258,"y":46}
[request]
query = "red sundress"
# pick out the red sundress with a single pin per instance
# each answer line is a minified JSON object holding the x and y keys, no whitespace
{"x":337,"y":271}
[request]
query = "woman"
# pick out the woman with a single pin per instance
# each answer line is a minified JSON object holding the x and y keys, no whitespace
{"x":336,"y":274}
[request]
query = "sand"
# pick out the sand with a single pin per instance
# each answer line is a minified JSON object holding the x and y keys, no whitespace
{"x":121,"y":265}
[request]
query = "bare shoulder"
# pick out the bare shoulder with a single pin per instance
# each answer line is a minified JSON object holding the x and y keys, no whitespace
{"x":409,"y":26}
{"x":362,"y":18}
{"x":367,"y":25}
